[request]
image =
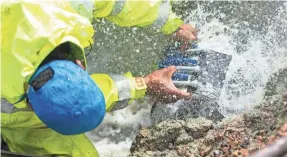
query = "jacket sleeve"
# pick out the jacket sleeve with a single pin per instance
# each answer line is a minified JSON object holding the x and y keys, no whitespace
{"x":155,"y":15}
{"x":119,"y":90}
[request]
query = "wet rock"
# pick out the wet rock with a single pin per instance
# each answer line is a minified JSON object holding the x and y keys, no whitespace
{"x":183,"y":138}
{"x":155,"y":154}
{"x":277,"y":83}
{"x":159,"y":137}
{"x":198,"y":106}
{"x":197,"y":127}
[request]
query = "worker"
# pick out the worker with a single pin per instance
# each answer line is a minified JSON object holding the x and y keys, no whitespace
{"x":48,"y":100}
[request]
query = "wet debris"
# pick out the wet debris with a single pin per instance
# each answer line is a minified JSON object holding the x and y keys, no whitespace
{"x":237,"y":136}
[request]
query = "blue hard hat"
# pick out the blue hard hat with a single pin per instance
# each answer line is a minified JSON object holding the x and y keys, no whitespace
{"x":69,"y":102}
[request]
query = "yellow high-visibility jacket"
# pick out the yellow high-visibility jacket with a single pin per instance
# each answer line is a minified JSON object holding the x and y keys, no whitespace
{"x":31,"y":30}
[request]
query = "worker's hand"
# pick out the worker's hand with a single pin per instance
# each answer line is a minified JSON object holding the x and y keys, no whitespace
{"x":185,"y":34}
{"x":159,"y":84}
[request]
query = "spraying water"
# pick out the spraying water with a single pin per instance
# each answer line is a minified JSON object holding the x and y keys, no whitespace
{"x":254,"y":33}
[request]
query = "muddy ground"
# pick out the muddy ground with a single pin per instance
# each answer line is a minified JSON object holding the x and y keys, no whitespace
{"x":239,"y":135}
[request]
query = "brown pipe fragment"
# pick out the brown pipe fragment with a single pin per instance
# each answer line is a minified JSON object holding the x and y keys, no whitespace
{"x":277,"y":149}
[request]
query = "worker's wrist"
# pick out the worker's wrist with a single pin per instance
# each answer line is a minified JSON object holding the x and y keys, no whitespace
{"x":138,"y":86}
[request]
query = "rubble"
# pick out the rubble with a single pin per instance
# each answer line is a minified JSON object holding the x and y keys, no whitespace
{"x":236,"y":136}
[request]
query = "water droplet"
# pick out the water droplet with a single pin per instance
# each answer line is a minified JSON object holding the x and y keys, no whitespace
{"x":77,"y":113}
{"x":67,"y":77}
